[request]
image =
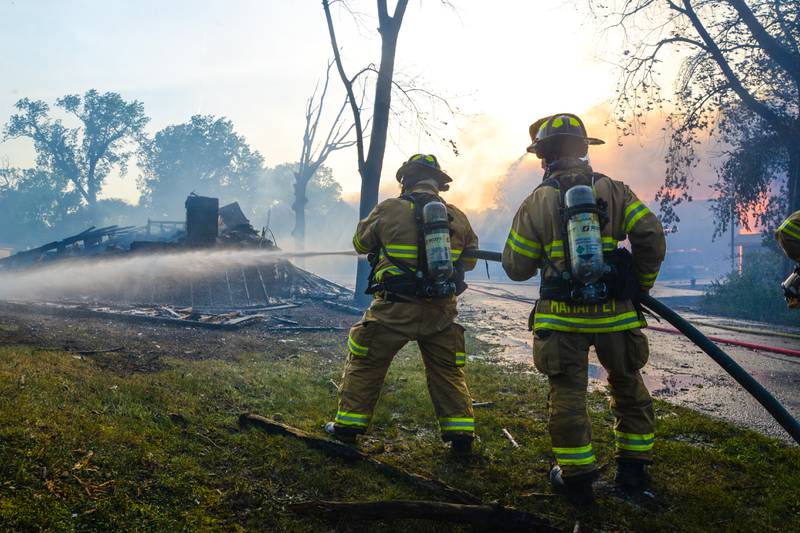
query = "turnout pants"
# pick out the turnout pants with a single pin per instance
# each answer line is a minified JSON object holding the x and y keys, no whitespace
{"x":373,"y":342}
{"x":563,"y":357}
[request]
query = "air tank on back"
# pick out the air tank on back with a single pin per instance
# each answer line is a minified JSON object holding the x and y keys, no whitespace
{"x":436,"y":226}
{"x":583,"y":233}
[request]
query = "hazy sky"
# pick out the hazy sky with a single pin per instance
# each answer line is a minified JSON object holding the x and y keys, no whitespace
{"x":504,"y":63}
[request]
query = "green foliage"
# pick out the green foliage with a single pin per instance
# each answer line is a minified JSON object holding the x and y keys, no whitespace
{"x":87,"y":448}
{"x":205,"y":156}
{"x":754,"y":294}
{"x":81,"y":156}
{"x":37,"y":207}
{"x":736,"y":94}
{"x":33,"y":199}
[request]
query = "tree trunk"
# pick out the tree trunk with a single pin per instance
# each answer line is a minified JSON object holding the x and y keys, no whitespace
{"x":793,"y":185}
{"x":337,"y":449}
{"x":91,"y":193}
{"x":299,"y":208}
{"x":373,"y":166}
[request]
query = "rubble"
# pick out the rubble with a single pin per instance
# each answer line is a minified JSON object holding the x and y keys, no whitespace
{"x":185,"y":316}
{"x":90,"y":242}
{"x":229,"y":292}
{"x":206,"y":226}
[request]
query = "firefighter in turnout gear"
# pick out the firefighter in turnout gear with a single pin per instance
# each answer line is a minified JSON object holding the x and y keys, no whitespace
{"x":587,"y":298}
{"x":415,"y":244}
{"x":788,"y":235}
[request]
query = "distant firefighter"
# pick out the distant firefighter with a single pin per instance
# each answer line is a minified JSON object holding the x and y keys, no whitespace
{"x":415,"y":244}
{"x":570,"y":228}
{"x":788,"y":235}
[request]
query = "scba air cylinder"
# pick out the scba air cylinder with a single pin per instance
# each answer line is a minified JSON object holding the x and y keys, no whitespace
{"x":583,"y":234}
{"x":437,"y":241}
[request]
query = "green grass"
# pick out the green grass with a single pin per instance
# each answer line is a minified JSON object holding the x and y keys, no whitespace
{"x":82,"y":448}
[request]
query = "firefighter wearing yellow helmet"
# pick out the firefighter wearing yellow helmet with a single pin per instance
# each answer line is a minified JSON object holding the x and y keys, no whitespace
{"x":415,"y":244}
{"x":788,"y":236}
{"x":571,"y":228}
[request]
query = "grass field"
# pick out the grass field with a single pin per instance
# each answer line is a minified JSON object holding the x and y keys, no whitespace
{"x":83,"y":447}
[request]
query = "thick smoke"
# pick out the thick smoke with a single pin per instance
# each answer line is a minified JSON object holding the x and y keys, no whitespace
{"x":86,"y":277}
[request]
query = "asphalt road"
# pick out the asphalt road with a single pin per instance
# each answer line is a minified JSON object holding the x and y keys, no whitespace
{"x":678,"y":371}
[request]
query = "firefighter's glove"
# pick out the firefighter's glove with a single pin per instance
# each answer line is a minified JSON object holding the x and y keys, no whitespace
{"x":793,"y":302}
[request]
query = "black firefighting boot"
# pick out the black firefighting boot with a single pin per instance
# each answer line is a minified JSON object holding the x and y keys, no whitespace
{"x":343,"y":433}
{"x":460,"y":445}
{"x":577,"y":489}
{"x":632,"y":474}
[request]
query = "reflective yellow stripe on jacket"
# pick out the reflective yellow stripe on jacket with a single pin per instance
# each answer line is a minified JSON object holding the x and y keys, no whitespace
{"x":523,"y":246}
{"x":360,"y":248}
{"x":575,"y":324}
{"x":633,"y":213}
{"x":402,"y":251}
{"x":406,"y":251}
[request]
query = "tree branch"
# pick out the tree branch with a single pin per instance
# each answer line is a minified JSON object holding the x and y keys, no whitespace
{"x":735,"y":83}
{"x":348,"y":87}
{"x":770,"y":44}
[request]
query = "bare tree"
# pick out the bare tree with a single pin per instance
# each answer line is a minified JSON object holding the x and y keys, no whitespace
{"x":313,"y":155}
{"x":370,"y":160}
{"x":739,"y":82}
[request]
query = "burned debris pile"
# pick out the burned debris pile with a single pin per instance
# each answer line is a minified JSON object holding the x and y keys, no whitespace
{"x":214,"y":270}
{"x":90,"y":242}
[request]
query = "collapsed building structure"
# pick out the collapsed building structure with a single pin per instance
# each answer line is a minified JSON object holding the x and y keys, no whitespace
{"x":214,"y":268}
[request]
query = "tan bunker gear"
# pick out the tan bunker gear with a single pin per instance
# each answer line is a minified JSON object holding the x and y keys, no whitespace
{"x":392,"y":321}
{"x":564,"y":331}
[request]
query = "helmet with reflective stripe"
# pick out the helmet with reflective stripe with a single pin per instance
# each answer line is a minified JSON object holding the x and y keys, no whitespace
{"x":420,"y":167}
{"x":560,"y":126}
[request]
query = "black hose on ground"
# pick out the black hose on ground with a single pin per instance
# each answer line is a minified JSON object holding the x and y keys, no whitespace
{"x":756,"y":390}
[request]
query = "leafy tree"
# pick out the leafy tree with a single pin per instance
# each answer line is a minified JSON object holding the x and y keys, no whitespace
{"x":204,"y":155}
{"x":32,"y":202}
{"x":83,"y":155}
{"x":739,"y":81}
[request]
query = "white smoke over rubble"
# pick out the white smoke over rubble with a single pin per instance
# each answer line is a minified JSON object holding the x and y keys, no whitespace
{"x":129,"y":273}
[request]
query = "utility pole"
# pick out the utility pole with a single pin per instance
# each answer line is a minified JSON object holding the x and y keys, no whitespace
{"x":733,"y":234}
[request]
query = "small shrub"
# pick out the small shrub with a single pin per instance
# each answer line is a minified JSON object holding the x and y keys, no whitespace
{"x":755,"y":294}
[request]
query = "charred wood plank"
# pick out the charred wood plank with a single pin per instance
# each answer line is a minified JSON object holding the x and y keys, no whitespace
{"x":344,"y":451}
{"x":308,"y":328}
{"x":494,"y":517}
{"x":343,"y":307}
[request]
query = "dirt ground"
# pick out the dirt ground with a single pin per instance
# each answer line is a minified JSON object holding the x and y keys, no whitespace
{"x":125,"y":346}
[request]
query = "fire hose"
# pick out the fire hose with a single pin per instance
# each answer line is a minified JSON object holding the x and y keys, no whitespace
{"x":753,"y":387}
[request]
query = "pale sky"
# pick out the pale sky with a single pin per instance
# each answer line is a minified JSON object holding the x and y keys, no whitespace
{"x":503,"y":63}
